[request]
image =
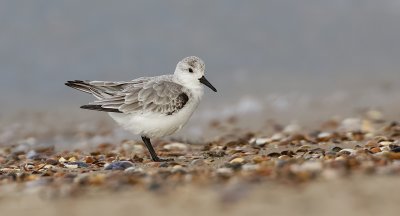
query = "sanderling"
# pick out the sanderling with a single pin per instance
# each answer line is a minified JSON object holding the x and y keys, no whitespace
{"x":151,"y":107}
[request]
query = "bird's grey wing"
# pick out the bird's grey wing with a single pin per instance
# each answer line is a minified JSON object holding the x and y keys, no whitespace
{"x":120,"y":84}
{"x":105,"y":89}
{"x":109,"y":89}
{"x":157,"y":96}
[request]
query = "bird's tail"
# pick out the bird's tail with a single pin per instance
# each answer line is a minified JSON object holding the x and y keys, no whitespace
{"x":87,"y":87}
{"x":80,"y":85}
{"x":99,"y":91}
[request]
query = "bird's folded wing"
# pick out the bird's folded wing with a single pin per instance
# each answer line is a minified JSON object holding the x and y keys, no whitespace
{"x":156,"y":96}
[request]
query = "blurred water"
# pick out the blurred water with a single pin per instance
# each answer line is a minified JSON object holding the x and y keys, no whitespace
{"x":249,"y":48}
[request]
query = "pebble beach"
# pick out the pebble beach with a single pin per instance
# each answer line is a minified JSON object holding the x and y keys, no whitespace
{"x":351,"y":164}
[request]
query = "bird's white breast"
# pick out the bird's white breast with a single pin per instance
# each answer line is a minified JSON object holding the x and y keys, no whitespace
{"x":154,"y":125}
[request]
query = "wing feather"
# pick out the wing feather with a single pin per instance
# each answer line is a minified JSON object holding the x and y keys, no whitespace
{"x":158,"y":95}
{"x":147,"y":94}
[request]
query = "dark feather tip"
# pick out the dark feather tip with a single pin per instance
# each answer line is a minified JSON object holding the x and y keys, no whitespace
{"x":100,"y":108}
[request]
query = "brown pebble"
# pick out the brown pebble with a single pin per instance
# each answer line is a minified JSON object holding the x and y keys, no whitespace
{"x":372,"y":143}
{"x":375,"y":150}
{"x":259,"y":159}
{"x":89,"y":159}
{"x":51,"y":161}
{"x":393,"y":155}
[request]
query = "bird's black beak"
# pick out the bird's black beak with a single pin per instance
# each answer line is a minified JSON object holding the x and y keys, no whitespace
{"x":208,"y":84}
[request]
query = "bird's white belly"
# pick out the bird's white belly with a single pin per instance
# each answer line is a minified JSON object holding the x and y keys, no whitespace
{"x":154,"y":125}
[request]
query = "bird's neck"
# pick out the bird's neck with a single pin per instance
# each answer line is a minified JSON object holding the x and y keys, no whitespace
{"x":197,"y":92}
{"x":194,"y":86}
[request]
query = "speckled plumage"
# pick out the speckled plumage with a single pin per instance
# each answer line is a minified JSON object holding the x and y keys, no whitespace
{"x":150,"y":106}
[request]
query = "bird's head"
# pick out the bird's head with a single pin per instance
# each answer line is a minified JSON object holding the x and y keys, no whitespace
{"x":190,"y":72}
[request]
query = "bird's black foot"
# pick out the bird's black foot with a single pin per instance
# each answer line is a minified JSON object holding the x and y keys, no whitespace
{"x":162,"y":159}
{"x":153,"y":153}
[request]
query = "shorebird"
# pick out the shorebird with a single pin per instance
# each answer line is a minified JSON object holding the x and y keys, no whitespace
{"x":151,"y":107}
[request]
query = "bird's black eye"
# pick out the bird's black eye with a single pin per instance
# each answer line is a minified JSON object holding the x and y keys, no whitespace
{"x":190,"y":70}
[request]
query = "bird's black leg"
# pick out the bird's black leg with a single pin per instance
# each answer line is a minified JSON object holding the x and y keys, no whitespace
{"x":153,"y":153}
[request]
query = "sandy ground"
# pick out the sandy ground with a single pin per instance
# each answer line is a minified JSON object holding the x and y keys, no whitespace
{"x":353,"y":196}
{"x":340,"y":166}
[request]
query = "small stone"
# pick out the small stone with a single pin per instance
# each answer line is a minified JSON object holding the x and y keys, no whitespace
{"x":29,"y":166}
{"x":258,"y":159}
{"x":274,"y":154}
{"x":393,"y":155}
{"x":288,"y":153}
{"x":48,"y":166}
{"x":324,"y":136}
{"x":51,"y":162}
{"x":277,"y":137}
{"x":217,"y":153}
{"x":89,"y":159}
{"x":234,"y":166}
{"x":381,"y":138}
{"x":62,"y":160}
{"x":372,"y":143}
{"x":71,"y":166}
{"x":351,"y":124}
{"x":197,"y":162}
{"x":260,"y":141}
{"x":72,"y":159}
{"x":385,"y":143}
{"x":33,"y":155}
{"x":379,"y":154}
{"x":385,"y":148}
{"x":297,"y":137}
{"x":291,"y":129}
{"x":178,"y":168}
{"x":237,"y":160}
{"x":284,"y":157}
{"x":119,"y":165}
{"x":134,"y":170}
{"x":396,"y":149}
{"x":181,"y":158}
{"x":224,"y":171}
{"x":176,"y":147}
{"x":77,"y":163}
{"x":336,"y":149}
{"x":330,"y":154}
{"x":317,"y":151}
{"x":304,"y":148}
{"x":166,"y":164}
{"x":312,"y":155}
{"x":375,"y":150}
{"x":350,"y":152}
